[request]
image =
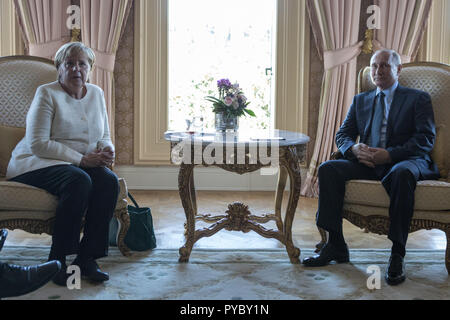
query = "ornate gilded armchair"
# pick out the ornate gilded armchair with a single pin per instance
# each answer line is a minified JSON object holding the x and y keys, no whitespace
{"x":366,"y":203}
{"x":21,"y":206}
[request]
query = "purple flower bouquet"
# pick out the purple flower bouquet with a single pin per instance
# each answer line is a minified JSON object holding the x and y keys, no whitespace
{"x":231,"y":102}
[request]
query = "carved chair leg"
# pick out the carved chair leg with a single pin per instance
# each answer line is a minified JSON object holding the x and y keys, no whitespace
{"x":324,"y":236}
{"x":124,"y":224}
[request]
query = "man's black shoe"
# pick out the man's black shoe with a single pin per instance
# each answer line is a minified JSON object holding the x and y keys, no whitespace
{"x":90,"y":270}
{"x":3,"y":235}
{"x":328,"y":253}
{"x":395,"y":273}
{"x":18,"y":280}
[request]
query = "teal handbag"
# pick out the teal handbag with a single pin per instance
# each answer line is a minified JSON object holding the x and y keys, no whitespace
{"x":140,"y":235}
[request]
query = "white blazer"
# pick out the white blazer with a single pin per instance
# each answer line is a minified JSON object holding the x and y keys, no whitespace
{"x":60,"y":129}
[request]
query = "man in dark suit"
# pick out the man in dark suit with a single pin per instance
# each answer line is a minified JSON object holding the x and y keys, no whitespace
{"x":397,"y":132}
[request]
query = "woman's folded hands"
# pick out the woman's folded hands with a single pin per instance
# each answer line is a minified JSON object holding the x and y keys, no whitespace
{"x":98,"y":158}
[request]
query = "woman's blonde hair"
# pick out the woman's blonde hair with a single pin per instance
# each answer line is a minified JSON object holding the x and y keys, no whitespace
{"x":70,"y":48}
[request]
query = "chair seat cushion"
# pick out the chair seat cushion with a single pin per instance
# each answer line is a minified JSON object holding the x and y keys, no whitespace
{"x":430,"y":195}
{"x":22,"y":197}
{"x":367,"y":211}
{"x":26,"y":215}
{"x":15,"y":196}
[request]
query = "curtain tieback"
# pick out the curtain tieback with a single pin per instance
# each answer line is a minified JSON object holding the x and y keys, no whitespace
{"x":46,"y":49}
{"x":377,"y":46}
{"x":105,"y":60}
{"x":334,"y":58}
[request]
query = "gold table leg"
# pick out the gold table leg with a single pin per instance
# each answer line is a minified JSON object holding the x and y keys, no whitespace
{"x":193,"y":194}
{"x":282,"y":178}
{"x":324,"y":236}
{"x":187,"y":194}
{"x":289,"y":160}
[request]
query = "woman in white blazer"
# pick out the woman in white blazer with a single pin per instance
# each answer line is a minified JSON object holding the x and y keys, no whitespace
{"x":66,"y":151}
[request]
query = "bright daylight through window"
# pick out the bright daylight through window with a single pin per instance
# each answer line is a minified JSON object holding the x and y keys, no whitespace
{"x":210,"y":40}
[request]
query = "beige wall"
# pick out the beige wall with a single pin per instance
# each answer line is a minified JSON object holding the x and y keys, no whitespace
{"x":124,"y":95}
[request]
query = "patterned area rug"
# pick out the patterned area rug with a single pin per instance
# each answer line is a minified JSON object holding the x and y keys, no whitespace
{"x":246,"y":274}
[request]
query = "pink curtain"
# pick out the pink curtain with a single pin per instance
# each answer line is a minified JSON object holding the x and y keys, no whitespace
{"x":43,"y":24}
{"x":102,"y":23}
{"x":335,"y":25}
{"x":403,"y":23}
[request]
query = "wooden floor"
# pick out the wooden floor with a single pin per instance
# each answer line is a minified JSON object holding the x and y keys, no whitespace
{"x":168,"y":215}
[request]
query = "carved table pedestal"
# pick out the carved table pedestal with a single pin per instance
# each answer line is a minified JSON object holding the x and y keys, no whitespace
{"x":241,"y":153}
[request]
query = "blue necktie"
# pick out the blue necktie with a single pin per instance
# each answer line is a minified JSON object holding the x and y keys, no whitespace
{"x":378,"y":116}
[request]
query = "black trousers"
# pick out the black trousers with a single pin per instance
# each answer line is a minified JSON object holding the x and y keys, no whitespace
{"x":2,"y":267}
{"x":399,"y":181}
{"x":89,"y":192}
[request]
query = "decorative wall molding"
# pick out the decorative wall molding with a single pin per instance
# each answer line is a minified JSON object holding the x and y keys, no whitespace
{"x":211,"y":178}
{"x":438,"y":31}
{"x":10,"y":37}
{"x":150,"y":120}
{"x":292,"y":66}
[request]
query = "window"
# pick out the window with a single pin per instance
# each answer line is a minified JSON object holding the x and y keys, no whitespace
{"x":290,"y":78}
{"x":210,"y":40}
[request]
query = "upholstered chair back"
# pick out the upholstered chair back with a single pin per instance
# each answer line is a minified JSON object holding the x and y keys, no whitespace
{"x":433,"y":78}
{"x":20,"y":76}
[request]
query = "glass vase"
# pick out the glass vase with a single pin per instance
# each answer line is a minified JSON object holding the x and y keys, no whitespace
{"x":225,"y":123}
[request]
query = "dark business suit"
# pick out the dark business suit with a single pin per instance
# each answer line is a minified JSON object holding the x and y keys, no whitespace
{"x":410,"y":136}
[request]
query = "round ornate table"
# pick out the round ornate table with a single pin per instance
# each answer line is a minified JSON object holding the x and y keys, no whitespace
{"x":240,"y":152}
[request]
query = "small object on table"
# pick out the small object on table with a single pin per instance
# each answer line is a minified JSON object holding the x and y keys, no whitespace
{"x":188,"y":123}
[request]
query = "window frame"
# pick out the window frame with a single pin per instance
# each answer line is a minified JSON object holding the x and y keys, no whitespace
{"x":437,"y":41}
{"x":10,"y":38}
{"x":151,"y":75}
